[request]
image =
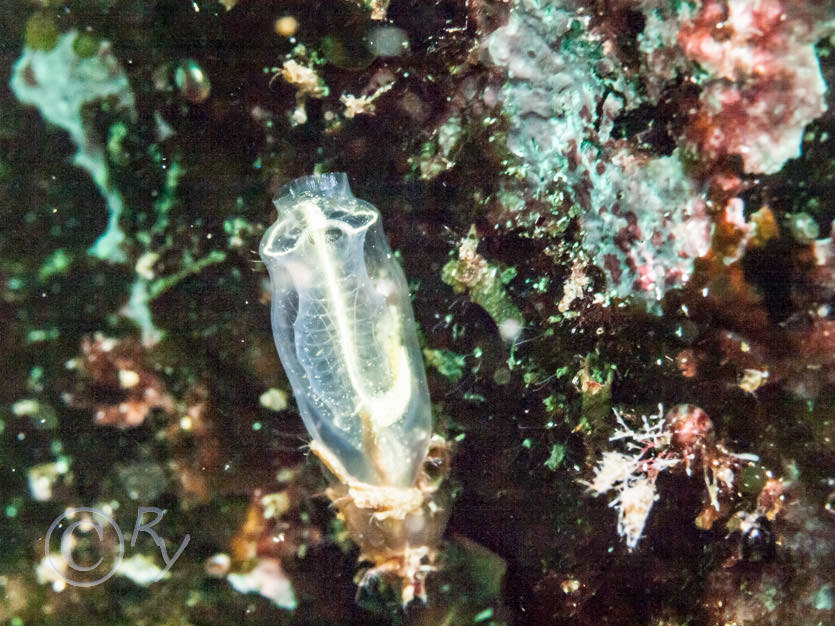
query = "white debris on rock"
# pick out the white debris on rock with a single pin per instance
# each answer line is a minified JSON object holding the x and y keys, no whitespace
{"x":268,"y":580}
{"x":632,"y":474}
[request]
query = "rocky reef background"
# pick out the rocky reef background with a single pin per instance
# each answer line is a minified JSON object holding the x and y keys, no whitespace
{"x":616,"y":220}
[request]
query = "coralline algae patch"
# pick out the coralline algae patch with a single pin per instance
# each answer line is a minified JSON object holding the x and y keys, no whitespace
{"x":645,"y":219}
{"x":764,"y":83}
{"x":647,"y":227}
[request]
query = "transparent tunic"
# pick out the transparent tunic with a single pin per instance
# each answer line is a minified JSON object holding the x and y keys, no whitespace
{"x":344,"y":329}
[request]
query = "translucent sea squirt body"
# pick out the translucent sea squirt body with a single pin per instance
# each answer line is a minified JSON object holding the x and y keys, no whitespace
{"x":343,"y":326}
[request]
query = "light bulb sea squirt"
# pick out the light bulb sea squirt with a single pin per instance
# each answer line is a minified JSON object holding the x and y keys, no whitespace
{"x":343,"y":326}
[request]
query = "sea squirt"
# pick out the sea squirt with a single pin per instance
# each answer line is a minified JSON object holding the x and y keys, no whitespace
{"x":343,"y":326}
{"x":344,"y":329}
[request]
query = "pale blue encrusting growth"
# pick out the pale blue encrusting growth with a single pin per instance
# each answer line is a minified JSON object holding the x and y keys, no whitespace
{"x":343,"y":326}
{"x":61,"y":83}
{"x":643,"y":219}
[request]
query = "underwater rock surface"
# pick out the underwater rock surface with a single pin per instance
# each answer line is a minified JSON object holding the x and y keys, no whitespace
{"x":615,"y":221}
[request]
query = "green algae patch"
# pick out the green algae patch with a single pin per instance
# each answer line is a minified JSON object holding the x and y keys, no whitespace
{"x":41,"y":32}
{"x":471,"y":273}
{"x":86,"y":45}
{"x":449,"y":364}
{"x":56,"y":264}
